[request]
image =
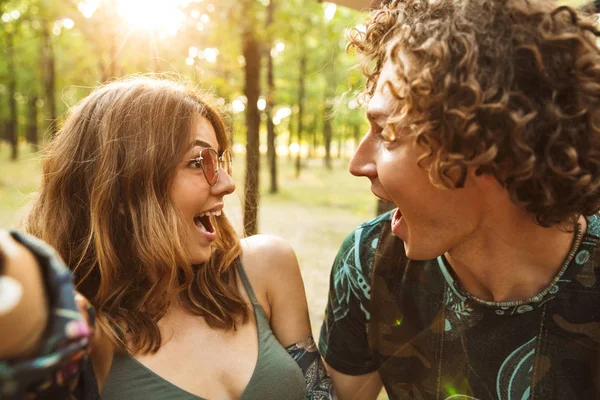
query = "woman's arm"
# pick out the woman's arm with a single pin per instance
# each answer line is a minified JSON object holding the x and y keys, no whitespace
{"x":273,"y":270}
{"x":44,"y":329}
{"x":273,"y":265}
{"x":23,"y":300}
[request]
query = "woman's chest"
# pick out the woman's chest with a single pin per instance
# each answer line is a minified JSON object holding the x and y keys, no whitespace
{"x":209,"y":363}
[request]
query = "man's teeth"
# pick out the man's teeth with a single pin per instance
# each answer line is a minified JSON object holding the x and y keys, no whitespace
{"x":206,"y":213}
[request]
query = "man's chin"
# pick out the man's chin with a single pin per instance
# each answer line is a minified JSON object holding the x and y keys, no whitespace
{"x":382,"y":198}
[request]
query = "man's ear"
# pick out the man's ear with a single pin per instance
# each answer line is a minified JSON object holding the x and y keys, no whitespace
{"x":485,"y":176}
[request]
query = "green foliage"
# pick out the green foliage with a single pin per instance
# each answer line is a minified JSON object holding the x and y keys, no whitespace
{"x":91,"y":45}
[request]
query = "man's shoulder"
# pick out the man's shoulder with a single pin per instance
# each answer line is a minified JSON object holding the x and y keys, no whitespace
{"x":351,"y":271}
{"x":367,"y":234}
{"x":380,"y":220}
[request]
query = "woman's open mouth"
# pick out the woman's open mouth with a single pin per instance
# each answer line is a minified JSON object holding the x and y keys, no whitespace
{"x":204,"y":223}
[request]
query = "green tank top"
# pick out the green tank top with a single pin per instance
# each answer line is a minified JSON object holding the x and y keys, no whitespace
{"x":276,"y":375}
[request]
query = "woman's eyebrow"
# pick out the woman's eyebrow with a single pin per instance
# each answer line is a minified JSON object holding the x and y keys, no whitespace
{"x":201,"y":143}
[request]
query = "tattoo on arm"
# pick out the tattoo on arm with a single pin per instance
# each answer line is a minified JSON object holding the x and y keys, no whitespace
{"x":318,"y":382}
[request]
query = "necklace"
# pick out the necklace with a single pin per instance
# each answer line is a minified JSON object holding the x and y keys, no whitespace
{"x":551,"y":288}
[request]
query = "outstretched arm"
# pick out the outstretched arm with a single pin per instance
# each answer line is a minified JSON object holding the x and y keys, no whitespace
{"x":44,"y":329}
{"x":23,"y":300}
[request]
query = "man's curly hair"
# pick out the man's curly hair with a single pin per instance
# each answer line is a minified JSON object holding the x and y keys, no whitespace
{"x":510,"y":87}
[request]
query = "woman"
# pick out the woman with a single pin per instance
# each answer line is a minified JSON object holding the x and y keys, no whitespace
{"x":132,"y":200}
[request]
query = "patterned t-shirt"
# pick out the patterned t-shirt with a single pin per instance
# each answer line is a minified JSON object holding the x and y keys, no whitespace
{"x":411,"y":321}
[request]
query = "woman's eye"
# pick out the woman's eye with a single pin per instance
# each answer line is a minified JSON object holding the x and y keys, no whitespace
{"x":195,"y":163}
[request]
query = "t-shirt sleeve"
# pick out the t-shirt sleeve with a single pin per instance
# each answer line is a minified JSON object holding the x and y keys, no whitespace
{"x":343,"y":339}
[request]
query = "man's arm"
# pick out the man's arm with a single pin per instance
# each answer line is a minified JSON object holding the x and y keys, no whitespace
{"x":359,"y":387}
{"x":344,"y":343}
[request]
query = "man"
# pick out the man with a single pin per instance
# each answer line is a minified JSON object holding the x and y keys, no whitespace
{"x":485,"y":133}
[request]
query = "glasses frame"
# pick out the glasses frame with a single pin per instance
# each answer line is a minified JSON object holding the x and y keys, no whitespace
{"x":224,"y":162}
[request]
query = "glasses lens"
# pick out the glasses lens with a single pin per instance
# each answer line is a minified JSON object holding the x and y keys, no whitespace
{"x":210,"y":164}
{"x":226,"y":162}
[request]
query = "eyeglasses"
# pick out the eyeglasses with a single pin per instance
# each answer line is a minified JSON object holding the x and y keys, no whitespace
{"x":211,"y":163}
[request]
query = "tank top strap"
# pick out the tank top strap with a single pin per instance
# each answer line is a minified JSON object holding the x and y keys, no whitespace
{"x":246,"y":283}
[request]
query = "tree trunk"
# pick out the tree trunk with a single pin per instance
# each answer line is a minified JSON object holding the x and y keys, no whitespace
{"x":108,"y":69}
{"x":356,"y":135}
{"x":113,"y":50}
{"x":328,"y":131}
{"x":230,"y":120}
{"x":340,"y":137}
{"x":49,"y":75}
{"x":251,"y":52}
{"x":31,"y":134}
{"x":328,"y":110}
{"x":11,"y":128}
{"x":291,"y":135}
{"x":271,"y":148}
{"x":315,"y":139}
{"x":301,"y":89}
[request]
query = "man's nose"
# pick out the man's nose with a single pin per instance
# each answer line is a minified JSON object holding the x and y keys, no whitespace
{"x":363,"y":160}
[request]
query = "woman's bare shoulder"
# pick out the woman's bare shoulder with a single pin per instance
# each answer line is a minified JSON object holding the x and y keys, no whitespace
{"x":272,"y":267}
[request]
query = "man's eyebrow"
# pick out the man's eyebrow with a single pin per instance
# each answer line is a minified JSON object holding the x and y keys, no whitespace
{"x":377,"y":116}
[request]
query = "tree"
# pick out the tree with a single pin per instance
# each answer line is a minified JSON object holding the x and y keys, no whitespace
{"x":301,"y":90}
{"x":12,"y":126}
{"x":271,"y":148}
{"x":252,"y":55}
{"x":49,"y":74}
{"x":31,"y":133}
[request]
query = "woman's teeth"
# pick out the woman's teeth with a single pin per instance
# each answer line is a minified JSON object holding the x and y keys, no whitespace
{"x":208,"y":213}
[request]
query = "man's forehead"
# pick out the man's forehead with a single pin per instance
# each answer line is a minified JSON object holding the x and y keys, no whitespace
{"x":395,"y":60}
{"x":382,"y":103}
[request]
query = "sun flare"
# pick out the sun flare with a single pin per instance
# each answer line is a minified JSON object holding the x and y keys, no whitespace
{"x":155,"y":15}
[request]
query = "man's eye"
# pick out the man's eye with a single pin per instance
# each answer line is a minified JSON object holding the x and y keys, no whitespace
{"x":388,"y":133}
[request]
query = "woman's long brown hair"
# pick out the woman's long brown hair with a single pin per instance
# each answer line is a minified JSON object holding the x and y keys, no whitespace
{"x":104,"y":205}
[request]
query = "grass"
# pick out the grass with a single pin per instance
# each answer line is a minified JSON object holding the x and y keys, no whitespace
{"x":314,"y":212}
{"x":18,"y":182}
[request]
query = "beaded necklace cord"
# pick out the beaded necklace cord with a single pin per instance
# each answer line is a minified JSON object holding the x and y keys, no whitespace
{"x":540,"y":296}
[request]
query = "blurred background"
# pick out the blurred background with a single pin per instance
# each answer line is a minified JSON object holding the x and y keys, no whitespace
{"x":278,"y":68}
